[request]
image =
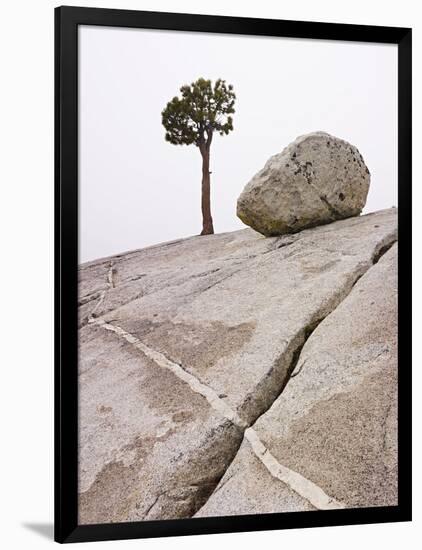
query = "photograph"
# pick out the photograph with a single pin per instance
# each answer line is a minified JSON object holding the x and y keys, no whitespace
{"x":208,"y":227}
{"x":237,"y":275}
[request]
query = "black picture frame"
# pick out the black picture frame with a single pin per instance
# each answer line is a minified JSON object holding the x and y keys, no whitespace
{"x":67,"y":20}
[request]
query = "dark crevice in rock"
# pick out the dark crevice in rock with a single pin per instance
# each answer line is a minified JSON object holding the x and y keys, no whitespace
{"x":307,"y":331}
{"x":297,"y":344}
{"x":189,"y":498}
{"x":226,"y":480}
{"x":383,"y":249}
{"x":154,"y":502}
{"x":205,"y":273}
{"x":83,"y":300}
{"x":221,"y":280}
{"x":377,"y":255}
{"x":283,"y":241}
{"x":299,"y":370}
{"x":134,"y":278}
{"x":260,"y":400}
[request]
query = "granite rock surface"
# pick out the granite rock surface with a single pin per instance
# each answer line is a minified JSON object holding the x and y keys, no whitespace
{"x":238,"y":368}
{"x":316,"y":179}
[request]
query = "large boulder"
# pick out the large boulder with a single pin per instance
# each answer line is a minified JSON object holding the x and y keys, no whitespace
{"x":316,"y":179}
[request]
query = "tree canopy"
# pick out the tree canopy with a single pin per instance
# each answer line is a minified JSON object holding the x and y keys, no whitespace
{"x":202,"y":109}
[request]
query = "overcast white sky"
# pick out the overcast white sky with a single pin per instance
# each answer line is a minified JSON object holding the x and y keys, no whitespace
{"x":136,"y":189}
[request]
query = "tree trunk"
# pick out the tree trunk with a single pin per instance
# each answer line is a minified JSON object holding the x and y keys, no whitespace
{"x":207,"y":226}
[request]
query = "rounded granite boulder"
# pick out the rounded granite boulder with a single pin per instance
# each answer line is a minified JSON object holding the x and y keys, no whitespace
{"x":316,"y":179}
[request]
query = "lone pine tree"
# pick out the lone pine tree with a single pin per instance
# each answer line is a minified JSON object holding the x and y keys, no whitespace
{"x":202,"y":109}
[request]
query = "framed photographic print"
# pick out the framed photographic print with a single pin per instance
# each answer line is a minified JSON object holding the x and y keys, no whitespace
{"x":233,"y":215}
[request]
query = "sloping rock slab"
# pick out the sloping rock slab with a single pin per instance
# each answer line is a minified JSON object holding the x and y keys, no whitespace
{"x":144,"y":436}
{"x":335,"y":424}
{"x":187,"y":343}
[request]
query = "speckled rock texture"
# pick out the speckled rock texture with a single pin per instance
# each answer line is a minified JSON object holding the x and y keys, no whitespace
{"x":316,"y":179}
{"x":186,"y":349}
{"x":336,"y":421}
